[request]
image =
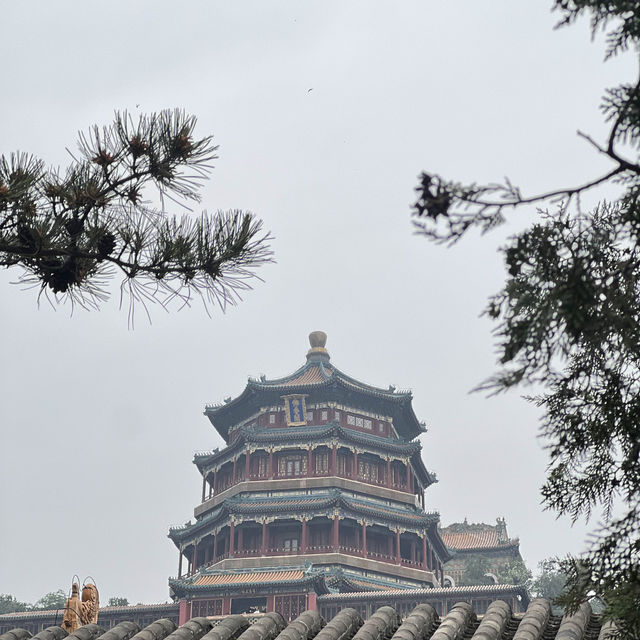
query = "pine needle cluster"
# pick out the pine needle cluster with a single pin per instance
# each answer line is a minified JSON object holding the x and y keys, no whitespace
{"x":71,"y":231}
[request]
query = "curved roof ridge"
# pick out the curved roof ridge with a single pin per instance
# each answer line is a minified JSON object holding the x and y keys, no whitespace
{"x":315,"y":378}
{"x":498,"y":589}
{"x":275,"y":381}
{"x":361,"y":506}
{"x":390,"y":391}
{"x":210,"y":571}
{"x":374,"y":438}
{"x":475,"y":540}
{"x":326,"y":375}
{"x":285,"y":575}
{"x":404,"y":508}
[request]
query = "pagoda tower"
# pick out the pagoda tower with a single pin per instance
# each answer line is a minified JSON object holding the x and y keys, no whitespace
{"x":319,"y":489}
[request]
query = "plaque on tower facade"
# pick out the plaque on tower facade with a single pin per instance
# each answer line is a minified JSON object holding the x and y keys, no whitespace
{"x":295,"y":410}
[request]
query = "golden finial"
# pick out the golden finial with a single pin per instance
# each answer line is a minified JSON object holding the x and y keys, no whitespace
{"x":318,"y":353}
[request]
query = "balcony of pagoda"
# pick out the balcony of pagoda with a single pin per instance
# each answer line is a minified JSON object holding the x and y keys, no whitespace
{"x":221,"y":479}
{"x":289,"y":484}
{"x":318,"y":536}
{"x":305,"y":465}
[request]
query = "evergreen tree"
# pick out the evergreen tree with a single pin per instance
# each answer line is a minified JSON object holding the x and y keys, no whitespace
{"x":54,"y":600}
{"x":9,"y":604}
{"x":70,"y":232}
{"x":514,"y":571}
{"x":568,"y":321}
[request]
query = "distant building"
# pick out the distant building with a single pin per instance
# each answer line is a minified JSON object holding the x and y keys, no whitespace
{"x":466,"y":541}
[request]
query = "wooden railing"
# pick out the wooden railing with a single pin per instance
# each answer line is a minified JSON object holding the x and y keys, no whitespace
{"x":411,"y":563}
{"x":396,"y":486}
{"x":313,"y":549}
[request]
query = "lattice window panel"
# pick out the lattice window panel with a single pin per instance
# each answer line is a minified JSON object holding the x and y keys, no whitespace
{"x":206,"y":607}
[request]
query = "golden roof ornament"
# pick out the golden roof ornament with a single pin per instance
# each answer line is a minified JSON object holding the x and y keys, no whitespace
{"x":318,"y":353}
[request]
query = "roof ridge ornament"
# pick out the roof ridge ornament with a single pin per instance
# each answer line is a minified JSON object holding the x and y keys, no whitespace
{"x":318,"y":353}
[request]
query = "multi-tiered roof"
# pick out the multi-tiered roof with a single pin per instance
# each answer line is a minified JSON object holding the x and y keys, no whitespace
{"x":320,"y":489}
{"x":320,"y":381}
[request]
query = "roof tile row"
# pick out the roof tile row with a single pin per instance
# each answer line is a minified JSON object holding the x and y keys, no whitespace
{"x":423,"y":623}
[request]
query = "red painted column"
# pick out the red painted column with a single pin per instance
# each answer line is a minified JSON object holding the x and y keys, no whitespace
{"x":183,"y":611}
{"x":312,"y":603}
{"x":355,"y":464}
{"x":235,"y":465}
{"x":204,"y":486}
{"x":424,"y":551}
{"x":247,"y":465}
{"x":398,"y":556}
{"x":215,"y":546}
{"x":408,"y":484}
{"x":309,"y":462}
{"x":388,"y":482}
{"x":390,"y":546}
{"x":271,"y":603}
{"x":271,"y":463}
{"x":194,"y":562}
{"x":303,"y":544}
{"x":180,"y":562}
{"x":215,"y":481}
{"x":240,"y":539}
{"x":334,"y":460}
{"x":263,"y":547}
{"x":232,"y":534}
{"x":364,"y":539}
{"x":336,"y":534}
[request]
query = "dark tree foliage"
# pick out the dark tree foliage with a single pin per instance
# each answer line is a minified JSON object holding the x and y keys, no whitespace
{"x":8,"y":604}
{"x":568,"y":321}
{"x":514,"y":571}
{"x":54,"y":600}
{"x":71,"y":231}
{"x":478,"y":570}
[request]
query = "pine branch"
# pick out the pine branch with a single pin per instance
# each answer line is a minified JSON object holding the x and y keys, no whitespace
{"x":69,"y":233}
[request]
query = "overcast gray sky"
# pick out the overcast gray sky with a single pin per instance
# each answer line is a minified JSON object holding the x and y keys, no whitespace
{"x":99,"y":423}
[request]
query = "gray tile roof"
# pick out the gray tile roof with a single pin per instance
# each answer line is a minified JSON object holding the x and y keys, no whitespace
{"x":422,"y":623}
